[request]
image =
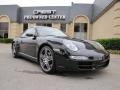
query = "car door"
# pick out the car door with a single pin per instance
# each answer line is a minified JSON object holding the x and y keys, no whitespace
{"x":28,"y":43}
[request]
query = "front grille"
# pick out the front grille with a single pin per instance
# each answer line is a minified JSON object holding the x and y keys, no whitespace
{"x":85,"y":67}
{"x":85,"y":63}
{"x":92,"y":64}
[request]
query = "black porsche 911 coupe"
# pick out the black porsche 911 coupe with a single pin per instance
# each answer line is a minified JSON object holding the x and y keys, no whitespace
{"x":54,"y":50}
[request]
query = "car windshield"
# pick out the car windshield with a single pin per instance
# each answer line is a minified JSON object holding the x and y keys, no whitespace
{"x":46,"y":31}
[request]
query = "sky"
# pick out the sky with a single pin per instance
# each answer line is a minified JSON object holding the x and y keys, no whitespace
{"x":43,"y":2}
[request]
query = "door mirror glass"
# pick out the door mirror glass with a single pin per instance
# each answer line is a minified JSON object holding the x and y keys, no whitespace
{"x":29,"y":35}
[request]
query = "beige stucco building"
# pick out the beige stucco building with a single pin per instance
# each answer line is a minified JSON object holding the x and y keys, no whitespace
{"x":82,"y":21}
{"x":107,"y":25}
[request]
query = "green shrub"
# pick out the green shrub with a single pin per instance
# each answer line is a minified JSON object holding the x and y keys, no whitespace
{"x":110,"y":44}
{"x":5,"y":40}
{"x":0,"y":36}
{"x":114,"y":51}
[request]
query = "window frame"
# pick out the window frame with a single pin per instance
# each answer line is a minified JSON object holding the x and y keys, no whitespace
{"x":4,"y":26}
{"x":25,"y":36}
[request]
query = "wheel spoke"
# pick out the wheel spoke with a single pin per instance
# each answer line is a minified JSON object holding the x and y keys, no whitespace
{"x":46,"y":51}
{"x":42,"y":56}
{"x":48,"y":66}
{"x":43,"y":64}
{"x":50,"y":58}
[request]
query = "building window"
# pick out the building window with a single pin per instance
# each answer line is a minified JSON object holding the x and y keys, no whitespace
{"x":80,"y":30}
{"x":77,"y":28}
{"x":39,"y":24}
{"x":44,"y":24}
{"x":4,"y":29}
{"x":85,"y":27}
{"x":80,"y":27}
{"x":63,"y":27}
{"x":25,"y":27}
{"x":3,"y":25}
{"x":49,"y":25}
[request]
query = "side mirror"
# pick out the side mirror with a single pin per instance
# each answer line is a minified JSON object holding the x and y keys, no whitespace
{"x":29,"y":35}
{"x":34,"y":37}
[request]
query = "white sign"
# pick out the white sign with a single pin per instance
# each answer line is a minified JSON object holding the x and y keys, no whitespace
{"x":44,"y":12}
{"x":44,"y":15}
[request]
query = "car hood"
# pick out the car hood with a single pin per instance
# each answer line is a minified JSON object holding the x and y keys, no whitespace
{"x":86,"y":47}
{"x":81,"y":44}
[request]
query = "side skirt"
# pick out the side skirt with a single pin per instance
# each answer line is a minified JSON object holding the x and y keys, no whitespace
{"x":28,"y":56}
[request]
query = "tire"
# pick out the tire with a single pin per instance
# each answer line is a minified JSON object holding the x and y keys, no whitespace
{"x":46,"y":60}
{"x":14,"y":51}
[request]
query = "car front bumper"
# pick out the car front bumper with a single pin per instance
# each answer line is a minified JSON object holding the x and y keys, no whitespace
{"x":76,"y":65}
{"x":86,"y":65}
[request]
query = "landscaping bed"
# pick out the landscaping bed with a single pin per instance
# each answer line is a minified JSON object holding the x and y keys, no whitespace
{"x":5,"y":40}
{"x":111,"y":45}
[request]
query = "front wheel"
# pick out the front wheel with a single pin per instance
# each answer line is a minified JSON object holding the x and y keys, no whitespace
{"x":14,"y":52}
{"x":46,"y":60}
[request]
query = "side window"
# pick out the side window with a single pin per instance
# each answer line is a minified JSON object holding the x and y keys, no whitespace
{"x":29,"y":31}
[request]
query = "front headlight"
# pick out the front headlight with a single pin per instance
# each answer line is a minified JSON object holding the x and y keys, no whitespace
{"x":70,"y":45}
{"x":100,"y":45}
{"x":96,"y":44}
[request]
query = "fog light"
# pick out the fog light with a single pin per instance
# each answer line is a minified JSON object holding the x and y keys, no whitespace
{"x":79,"y":57}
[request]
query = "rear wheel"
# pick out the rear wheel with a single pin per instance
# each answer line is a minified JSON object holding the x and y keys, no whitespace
{"x":46,"y":60}
{"x":14,"y":52}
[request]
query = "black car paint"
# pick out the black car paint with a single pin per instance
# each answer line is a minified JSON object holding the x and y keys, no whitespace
{"x":30,"y":47}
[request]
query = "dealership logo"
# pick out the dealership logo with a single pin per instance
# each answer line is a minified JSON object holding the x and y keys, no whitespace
{"x":44,"y":15}
{"x":44,"y":12}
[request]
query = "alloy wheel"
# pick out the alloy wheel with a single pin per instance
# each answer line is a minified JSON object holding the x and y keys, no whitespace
{"x":46,"y":59}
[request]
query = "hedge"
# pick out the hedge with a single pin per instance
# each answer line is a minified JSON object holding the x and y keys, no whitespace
{"x":5,"y":40}
{"x":114,"y":51}
{"x":110,"y":44}
{"x":0,"y":36}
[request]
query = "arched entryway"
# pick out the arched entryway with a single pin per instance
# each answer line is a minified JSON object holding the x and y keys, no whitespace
{"x":81,"y":27}
{"x":4,"y":26}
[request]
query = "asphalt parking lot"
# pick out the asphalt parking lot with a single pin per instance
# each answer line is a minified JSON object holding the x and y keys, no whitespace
{"x":21,"y":74}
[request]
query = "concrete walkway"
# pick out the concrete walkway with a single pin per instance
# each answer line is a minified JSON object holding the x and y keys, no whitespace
{"x":115,"y":56}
